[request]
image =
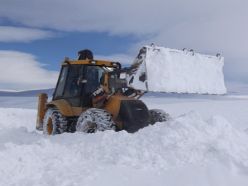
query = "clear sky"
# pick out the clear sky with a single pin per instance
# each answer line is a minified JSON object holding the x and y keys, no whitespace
{"x":35,"y":35}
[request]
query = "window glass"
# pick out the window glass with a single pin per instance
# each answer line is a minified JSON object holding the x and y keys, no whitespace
{"x":73,"y":87}
{"x":94,"y":75}
{"x":61,"y":83}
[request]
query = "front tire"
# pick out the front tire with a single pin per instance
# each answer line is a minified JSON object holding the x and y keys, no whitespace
{"x":54,"y":122}
{"x":93,"y":120}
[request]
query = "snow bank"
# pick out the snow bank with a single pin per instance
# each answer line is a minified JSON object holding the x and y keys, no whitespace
{"x":207,"y":152}
{"x":171,"y":70}
{"x":17,"y":117}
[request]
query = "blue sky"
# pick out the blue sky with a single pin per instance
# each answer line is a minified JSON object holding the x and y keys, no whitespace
{"x":52,"y":51}
{"x":36,"y":35}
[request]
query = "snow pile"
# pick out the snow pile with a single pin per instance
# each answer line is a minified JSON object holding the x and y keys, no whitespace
{"x":171,"y":70}
{"x":207,"y":152}
{"x":16,"y":118}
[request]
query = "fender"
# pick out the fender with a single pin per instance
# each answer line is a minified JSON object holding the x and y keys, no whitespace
{"x":63,"y":106}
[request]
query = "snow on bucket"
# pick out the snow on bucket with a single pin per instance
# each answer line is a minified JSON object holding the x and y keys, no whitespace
{"x":160,"y":69}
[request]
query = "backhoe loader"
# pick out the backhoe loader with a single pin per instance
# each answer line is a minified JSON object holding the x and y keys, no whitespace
{"x":97,"y":95}
{"x":91,"y":96}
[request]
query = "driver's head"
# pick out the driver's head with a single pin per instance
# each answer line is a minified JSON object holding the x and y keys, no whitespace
{"x":85,"y":54}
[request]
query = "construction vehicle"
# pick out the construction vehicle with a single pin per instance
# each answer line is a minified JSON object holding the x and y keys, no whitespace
{"x":90,"y":96}
{"x":96,"y":95}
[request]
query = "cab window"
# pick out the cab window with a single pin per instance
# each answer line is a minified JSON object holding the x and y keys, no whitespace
{"x":61,"y":82}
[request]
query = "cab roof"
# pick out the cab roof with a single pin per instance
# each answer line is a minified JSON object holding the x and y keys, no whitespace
{"x":92,"y":62}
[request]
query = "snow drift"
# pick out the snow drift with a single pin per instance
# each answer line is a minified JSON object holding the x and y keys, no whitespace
{"x":181,"y":71}
{"x":203,"y":152}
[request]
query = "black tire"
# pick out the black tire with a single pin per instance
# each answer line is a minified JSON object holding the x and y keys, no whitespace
{"x":54,"y":123}
{"x":158,"y":115}
{"x":93,"y":120}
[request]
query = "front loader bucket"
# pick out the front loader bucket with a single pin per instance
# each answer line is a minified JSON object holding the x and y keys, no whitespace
{"x":159,"y":69}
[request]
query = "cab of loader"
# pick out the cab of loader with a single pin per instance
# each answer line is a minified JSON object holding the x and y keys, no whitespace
{"x":79,"y":79}
{"x":76,"y":83}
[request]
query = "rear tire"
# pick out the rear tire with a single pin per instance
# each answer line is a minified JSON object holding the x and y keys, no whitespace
{"x":54,"y":123}
{"x":93,"y":120}
{"x":158,"y":115}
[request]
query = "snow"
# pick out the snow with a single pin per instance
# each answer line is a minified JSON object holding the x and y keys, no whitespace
{"x":204,"y":144}
{"x":171,"y":70}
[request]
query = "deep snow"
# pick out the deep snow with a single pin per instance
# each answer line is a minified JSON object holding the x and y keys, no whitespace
{"x":204,"y":144}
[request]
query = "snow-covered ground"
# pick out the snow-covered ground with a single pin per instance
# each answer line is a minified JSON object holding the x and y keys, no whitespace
{"x":206,"y":144}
